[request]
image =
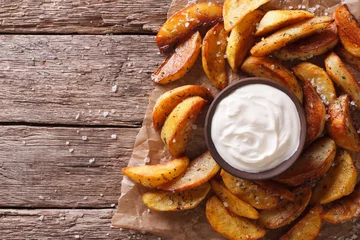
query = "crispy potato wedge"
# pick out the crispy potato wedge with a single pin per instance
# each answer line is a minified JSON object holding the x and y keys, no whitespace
{"x":341,"y":76}
{"x":177,"y":128}
{"x":185,"y":22}
{"x":274,"y":70}
{"x":199,"y":171}
{"x":249,"y":192}
{"x":349,"y":30}
{"x":213,"y":55}
{"x":347,"y":57}
{"x":231,"y":227}
{"x":241,"y":39}
{"x":179,"y":62}
{"x":307,"y":228}
{"x":152,"y":176}
{"x":340,"y":124}
{"x":343,"y":209}
{"x":313,"y":163}
{"x":233,"y":203}
{"x":277,"y":19}
{"x":339,"y":181}
{"x":164,"y":201}
{"x":312,"y":46}
{"x":286,"y":211}
{"x":170,"y":99}
{"x":318,"y":78}
{"x":234,"y":11}
{"x":276,"y":189}
{"x":290,"y":34}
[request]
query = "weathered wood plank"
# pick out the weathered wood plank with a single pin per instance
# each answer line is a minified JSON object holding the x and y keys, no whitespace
{"x":63,"y":224}
{"x":52,"y":79}
{"x":85,"y":17}
{"x":39,"y":170}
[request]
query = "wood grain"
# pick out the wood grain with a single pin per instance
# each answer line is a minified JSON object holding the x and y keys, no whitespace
{"x":84,"y":17}
{"x":37,"y":170}
{"x":50,"y":79}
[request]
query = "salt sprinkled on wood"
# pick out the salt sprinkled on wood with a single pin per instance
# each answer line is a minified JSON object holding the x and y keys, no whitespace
{"x":41,"y":197}
{"x":113,"y":136}
{"x":92,"y":160}
{"x":147,"y":160}
{"x":114,"y":88}
{"x":71,"y":150}
{"x":77,"y":116}
{"x":67,"y":143}
{"x":77,"y":236}
{"x":41,"y":218}
{"x":113,"y":205}
{"x":106,"y":114}
{"x":85,"y":198}
{"x":84,"y":138}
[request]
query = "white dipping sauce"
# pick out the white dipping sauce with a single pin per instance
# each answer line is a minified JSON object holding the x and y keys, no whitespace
{"x":256,"y":128}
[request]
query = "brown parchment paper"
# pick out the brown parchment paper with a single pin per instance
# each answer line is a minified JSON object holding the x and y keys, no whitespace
{"x":192,"y":224}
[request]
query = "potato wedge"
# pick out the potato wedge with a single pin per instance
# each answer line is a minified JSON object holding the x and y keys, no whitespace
{"x":343,"y":209}
{"x":231,"y":227}
{"x":186,"y":21}
{"x":199,"y":171}
{"x":313,"y":163}
{"x":234,"y":11}
{"x":277,"y":19}
{"x":286,"y":211}
{"x":307,"y":228}
{"x":290,"y":34}
{"x":319,"y":80}
{"x":276,"y":189}
{"x":177,"y":128}
{"x":175,"y":201}
{"x":315,"y":112}
{"x":249,"y":192}
{"x":340,"y":124}
{"x":339,"y":181}
{"x":213,"y":55}
{"x":170,"y":99}
{"x":349,"y":30}
{"x":274,"y":70}
{"x":233,"y":203}
{"x":152,"y":176}
{"x":309,"y":47}
{"x":179,"y":62}
{"x":347,"y":57}
{"x":341,"y":76}
{"x":241,"y":39}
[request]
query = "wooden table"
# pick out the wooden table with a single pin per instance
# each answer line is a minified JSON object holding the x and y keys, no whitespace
{"x":72,"y":74}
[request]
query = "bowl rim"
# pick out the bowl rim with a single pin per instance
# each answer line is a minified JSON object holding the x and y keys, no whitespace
{"x":265,"y":174}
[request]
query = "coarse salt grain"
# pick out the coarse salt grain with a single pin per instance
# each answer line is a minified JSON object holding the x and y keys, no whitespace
{"x":225,"y":204}
{"x":41,"y":197}
{"x":187,"y":24}
{"x":67,"y":143}
{"x":41,"y":218}
{"x":106,"y":114}
{"x":91,"y":160}
{"x":77,"y":116}
{"x":113,"y":205}
{"x":77,"y":236}
{"x":85,"y":198}
{"x":218,"y":42}
{"x":114,"y":88}
{"x":148,"y":210}
{"x":193,"y":126}
{"x":84,"y":138}
{"x":147,"y":160}
{"x":174,"y":140}
{"x":71,"y":150}
{"x":113,"y":136}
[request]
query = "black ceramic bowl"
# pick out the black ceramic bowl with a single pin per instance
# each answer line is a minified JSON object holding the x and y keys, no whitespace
{"x":261,"y":175}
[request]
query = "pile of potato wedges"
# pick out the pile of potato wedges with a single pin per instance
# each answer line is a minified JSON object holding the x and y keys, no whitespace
{"x":322,"y":183}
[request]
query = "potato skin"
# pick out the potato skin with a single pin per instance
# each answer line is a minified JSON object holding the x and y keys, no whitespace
{"x":276,"y":189}
{"x":347,"y":57}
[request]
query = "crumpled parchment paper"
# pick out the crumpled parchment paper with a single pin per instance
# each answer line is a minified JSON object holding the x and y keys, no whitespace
{"x":192,"y":224}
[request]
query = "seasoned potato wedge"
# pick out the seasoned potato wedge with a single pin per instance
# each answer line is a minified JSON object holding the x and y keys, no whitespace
{"x":319,"y":80}
{"x":313,"y":163}
{"x":274,"y":70}
{"x":213,"y":55}
{"x":241,"y":39}
{"x":307,"y":228}
{"x":347,"y":57}
{"x":233,"y":203}
{"x":339,"y":181}
{"x":286,"y":211}
{"x":309,"y":47}
{"x":168,"y":101}
{"x":199,"y":171}
{"x":276,"y":189}
{"x":234,"y":11}
{"x":343,"y":209}
{"x":349,"y":30}
{"x":164,"y":201}
{"x":250,"y":192}
{"x":290,"y":34}
{"x":340,"y":124}
{"x":177,"y":128}
{"x":179,"y":62}
{"x":315,"y":112}
{"x":277,"y":19}
{"x":341,"y":76}
{"x":152,"y":176}
{"x":185,"y":22}
{"x":231,"y":227}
